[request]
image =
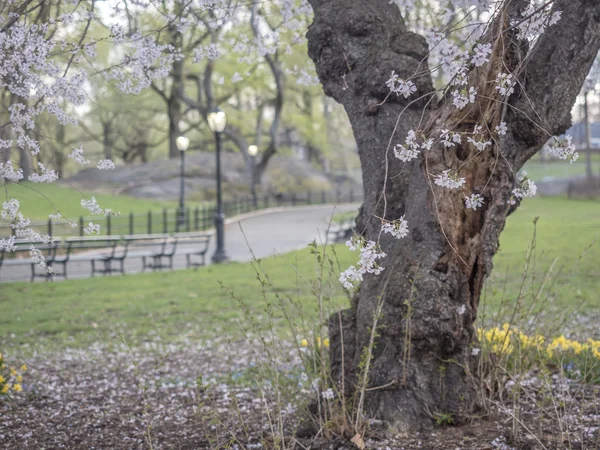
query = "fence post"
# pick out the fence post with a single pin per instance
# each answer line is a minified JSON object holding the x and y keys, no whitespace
{"x":165,"y":221}
{"x":293,"y":199}
{"x":108,"y":224}
{"x":80,"y":225}
{"x":187,"y":220}
{"x":204,"y":216}
{"x":131,"y":223}
{"x":196,"y":218}
{"x":149,"y":222}
{"x":50,"y":227}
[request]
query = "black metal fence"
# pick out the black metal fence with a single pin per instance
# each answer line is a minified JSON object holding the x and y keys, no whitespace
{"x":198,"y":218}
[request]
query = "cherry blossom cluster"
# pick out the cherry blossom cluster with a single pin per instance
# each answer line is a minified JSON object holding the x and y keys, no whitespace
{"x":505,"y":84}
{"x":105,"y":164}
{"x":8,"y":172}
{"x":474,"y":201}
{"x":397,"y":228}
{"x":43,"y":175}
{"x":92,"y":206}
{"x":449,"y":180}
{"x":525,"y":188}
{"x":370,"y":252}
{"x":411,"y":147}
{"x":536,"y":20}
{"x":77,"y":155}
{"x":400,"y":86}
{"x":462,"y":98}
{"x":563,"y":148}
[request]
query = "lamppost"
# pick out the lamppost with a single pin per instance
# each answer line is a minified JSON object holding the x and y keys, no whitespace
{"x":252,"y":152}
{"x":182,"y":144}
{"x":217,"y":120}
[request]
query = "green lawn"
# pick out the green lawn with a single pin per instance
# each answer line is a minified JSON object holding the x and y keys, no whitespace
{"x":167,"y":303}
{"x":537,"y":171}
{"x":37,"y":201}
{"x":198,"y":302}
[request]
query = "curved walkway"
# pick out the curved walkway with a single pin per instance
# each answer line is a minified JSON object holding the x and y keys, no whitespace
{"x":267,"y":232}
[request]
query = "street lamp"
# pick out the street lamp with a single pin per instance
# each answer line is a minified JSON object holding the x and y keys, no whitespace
{"x":182,"y":144}
{"x":252,"y":152}
{"x":217,"y":120}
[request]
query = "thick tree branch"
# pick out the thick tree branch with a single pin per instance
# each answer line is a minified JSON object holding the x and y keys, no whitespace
{"x":554,"y":74}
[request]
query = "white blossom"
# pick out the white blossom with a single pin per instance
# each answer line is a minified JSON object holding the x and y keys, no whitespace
{"x":448,"y":180}
{"x":397,"y":228}
{"x":370,"y":252}
{"x":399,"y":86}
{"x":501,"y":129}
{"x":8,"y":171}
{"x":480,"y":145}
{"x":482,"y":53}
{"x":306,"y":79}
{"x":474,"y":201}
{"x":525,"y":188}
{"x":463,"y":98}
{"x":504,"y":84}
{"x":91,"y":228}
{"x":563,"y":148}
{"x":77,"y":155}
{"x":328,"y":394}
{"x":8,"y":244}
{"x":105,"y":164}
{"x":43,"y":175}
{"x":450,"y":138}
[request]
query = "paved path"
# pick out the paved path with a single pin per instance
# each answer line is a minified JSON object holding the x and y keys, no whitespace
{"x":267,"y":233}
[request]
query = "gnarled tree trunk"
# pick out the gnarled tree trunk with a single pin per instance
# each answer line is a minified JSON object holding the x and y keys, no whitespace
{"x":433,"y":278}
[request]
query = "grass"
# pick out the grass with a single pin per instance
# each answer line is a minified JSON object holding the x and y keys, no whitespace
{"x":566,"y":236}
{"x":165,"y":303}
{"x":67,"y":200}
{"x":538,"y":171}
{"x":198,"y":302}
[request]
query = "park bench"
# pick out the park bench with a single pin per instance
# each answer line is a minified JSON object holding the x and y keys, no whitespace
{"x":152,"y":248}
{"x":156,"y":250}
{"x":96,"y":249}
{"x":341,"y":232}
{"x":50,"y":251}
{"x":196,"y":245}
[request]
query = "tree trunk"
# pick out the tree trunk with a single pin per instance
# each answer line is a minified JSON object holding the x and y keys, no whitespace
{"x":107,"y":139}
{"x":429,"y":291}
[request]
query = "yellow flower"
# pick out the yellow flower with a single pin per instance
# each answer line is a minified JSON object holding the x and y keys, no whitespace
{"x":24,"y":368}
{"x":13,"y":372}
{"x":5,"y":388}
{"x":319,"y":342}
{"x":326,"y":342}
{"x":304,"y":343}
{"x":19,"y":379}
{"x":2,"y":380}
{"x":17,"y":387}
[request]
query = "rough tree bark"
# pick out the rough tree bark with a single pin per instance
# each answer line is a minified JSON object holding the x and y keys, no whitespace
{"x":422,"y":357}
